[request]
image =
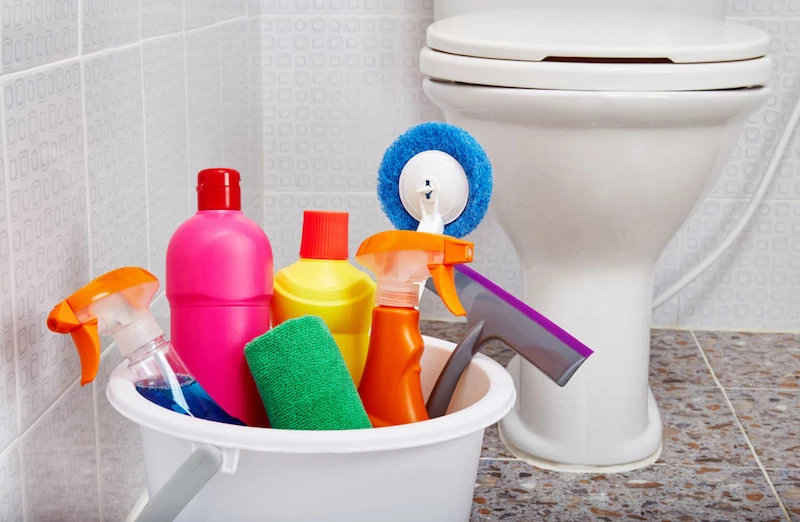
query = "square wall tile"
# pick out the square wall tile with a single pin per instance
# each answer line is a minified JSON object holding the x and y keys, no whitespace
{"x":756,"y":283}
{"x":330,"y":101}
{"x":416,"y":7}
{"x":122,"y":476}
{"x":255,"y":97}
{"x":37,"y":33}
{"x":160,"y":17}
{"x":763,"y":8}
{"x":204,"y":102}
{"x":764,"y":128}
{"x":10,"y":485}
{"x":415,"y":106}
{"x":232,"y":9}
{"x":284,"y":220}
{"x":667,"y":272}
{"x":59,"y":459}
{"x":115,"y":146}
{"x":43,"y":129}
{"x":312,"y":7}
{"x":200,"y":13}
{"x":8,"y":374}
{"x":109,"y":24}
{"x":235,"y":110}
{"x":168,"y":183}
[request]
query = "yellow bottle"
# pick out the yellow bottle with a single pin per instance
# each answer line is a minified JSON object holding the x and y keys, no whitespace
{"x":325,"y":284}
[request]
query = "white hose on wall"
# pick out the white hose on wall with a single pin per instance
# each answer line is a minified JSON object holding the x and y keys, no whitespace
{"x":749,"y":212}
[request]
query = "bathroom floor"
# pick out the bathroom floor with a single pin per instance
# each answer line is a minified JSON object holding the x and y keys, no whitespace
{"x":730,"y":404}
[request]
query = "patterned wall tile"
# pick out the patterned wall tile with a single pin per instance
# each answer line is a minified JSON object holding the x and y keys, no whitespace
{"x":115,"y":146}
{"x":284,"y":220}
{"x":8,"y":375}
{"x":232,"y":9}
{"x":312,"y":7}
{"x":10,"y":485}
{"x":203,"y":88}
{"x":119,"y":449}
{"x":762,"y":8}
{"x":415,"y":7}
{"x":200,"y":13}
{"x":756,"y":284}
{"x":168,"y":183}
{"x":109,"y":24}
{"x":59,"y":459}
{"x":255,"y":211}
{"x":161,"y":17}
{"x":255,"y":97}
{"x":49,"y":233}
{"x":329,"y":101}
{"x":415,"y":106}
{"x":667,"y":273}
{"x":236,"y":113}
{"x":764,"y":128}
{"x":37,"y":34}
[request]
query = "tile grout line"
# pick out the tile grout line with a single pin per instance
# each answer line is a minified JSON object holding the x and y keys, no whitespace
{"x":14,"y":323}
{"x":144,"y":154}
{"x":741,"y":427}
{"x":85,"y":116}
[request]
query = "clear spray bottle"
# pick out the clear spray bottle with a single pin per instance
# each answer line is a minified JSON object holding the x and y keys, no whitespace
{"x":118,"y":304}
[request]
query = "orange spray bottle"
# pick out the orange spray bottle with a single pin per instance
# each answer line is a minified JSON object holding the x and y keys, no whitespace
{"x":402,"y":260}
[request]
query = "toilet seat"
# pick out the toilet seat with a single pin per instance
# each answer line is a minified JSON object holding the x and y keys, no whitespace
{"x":595,"y":50}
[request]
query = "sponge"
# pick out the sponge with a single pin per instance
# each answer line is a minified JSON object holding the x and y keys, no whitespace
{"x":452,"y":140}
{"x":303,"y":379}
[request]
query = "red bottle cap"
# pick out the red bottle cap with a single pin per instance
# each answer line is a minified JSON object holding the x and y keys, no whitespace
{"x":218,"y":189}
{"x":324,"y":235}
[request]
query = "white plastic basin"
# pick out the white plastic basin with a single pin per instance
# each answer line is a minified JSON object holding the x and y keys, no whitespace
{"x":417,"y":472}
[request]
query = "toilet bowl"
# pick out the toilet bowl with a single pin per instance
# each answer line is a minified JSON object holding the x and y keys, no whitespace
{"x":605,"y":129}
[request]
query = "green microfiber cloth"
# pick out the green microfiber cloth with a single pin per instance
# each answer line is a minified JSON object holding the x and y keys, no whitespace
{"x":303,"y":379}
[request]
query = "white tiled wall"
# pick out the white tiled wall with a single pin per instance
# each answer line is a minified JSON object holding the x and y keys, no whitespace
{"x":341,"y":81}
{"x":108,"y":109}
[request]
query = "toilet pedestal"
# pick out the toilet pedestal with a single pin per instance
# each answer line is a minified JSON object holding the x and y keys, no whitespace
{"x":606,"y":415}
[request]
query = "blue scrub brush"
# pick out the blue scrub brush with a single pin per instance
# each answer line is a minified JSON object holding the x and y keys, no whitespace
{"x":435,"y":178}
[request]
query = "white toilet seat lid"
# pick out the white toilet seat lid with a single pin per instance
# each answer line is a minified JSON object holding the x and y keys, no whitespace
{"x":595,"y":51}
{"x":540,"y":34}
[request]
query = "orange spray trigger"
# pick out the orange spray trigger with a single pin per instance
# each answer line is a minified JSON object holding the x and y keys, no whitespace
{"x":85,"y":335}
{"x":443,"y":278}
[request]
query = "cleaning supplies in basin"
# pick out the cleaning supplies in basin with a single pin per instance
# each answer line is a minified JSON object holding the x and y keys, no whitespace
{"x":219,"y":287}
{"x":325,"y":284}
{"x":118,"y":304}
{"x":401,"y":260}
{"x":303,"y":379}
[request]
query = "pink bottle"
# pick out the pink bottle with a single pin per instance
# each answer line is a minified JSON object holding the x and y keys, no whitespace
{"x":219,"y":287}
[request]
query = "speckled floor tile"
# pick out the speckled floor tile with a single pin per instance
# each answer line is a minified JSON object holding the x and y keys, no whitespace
{"x":513,"y":490}
{"x":753,"y":360}
{"x":676,"y":360}
{"x":700,"y":429}
{"x":771,"y":419}
{"x":787,"y":484}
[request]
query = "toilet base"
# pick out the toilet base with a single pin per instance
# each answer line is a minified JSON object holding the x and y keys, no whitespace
{"x":523,"y":443}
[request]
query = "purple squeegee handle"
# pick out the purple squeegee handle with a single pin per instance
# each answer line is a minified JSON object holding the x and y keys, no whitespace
{"x":532,"y":314}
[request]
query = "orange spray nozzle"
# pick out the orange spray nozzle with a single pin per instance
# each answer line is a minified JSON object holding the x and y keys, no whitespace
{"x":111,"y":301}
{"x":402,"y":259}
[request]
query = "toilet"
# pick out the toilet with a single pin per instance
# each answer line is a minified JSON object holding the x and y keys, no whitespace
{"x":606,"y":122}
